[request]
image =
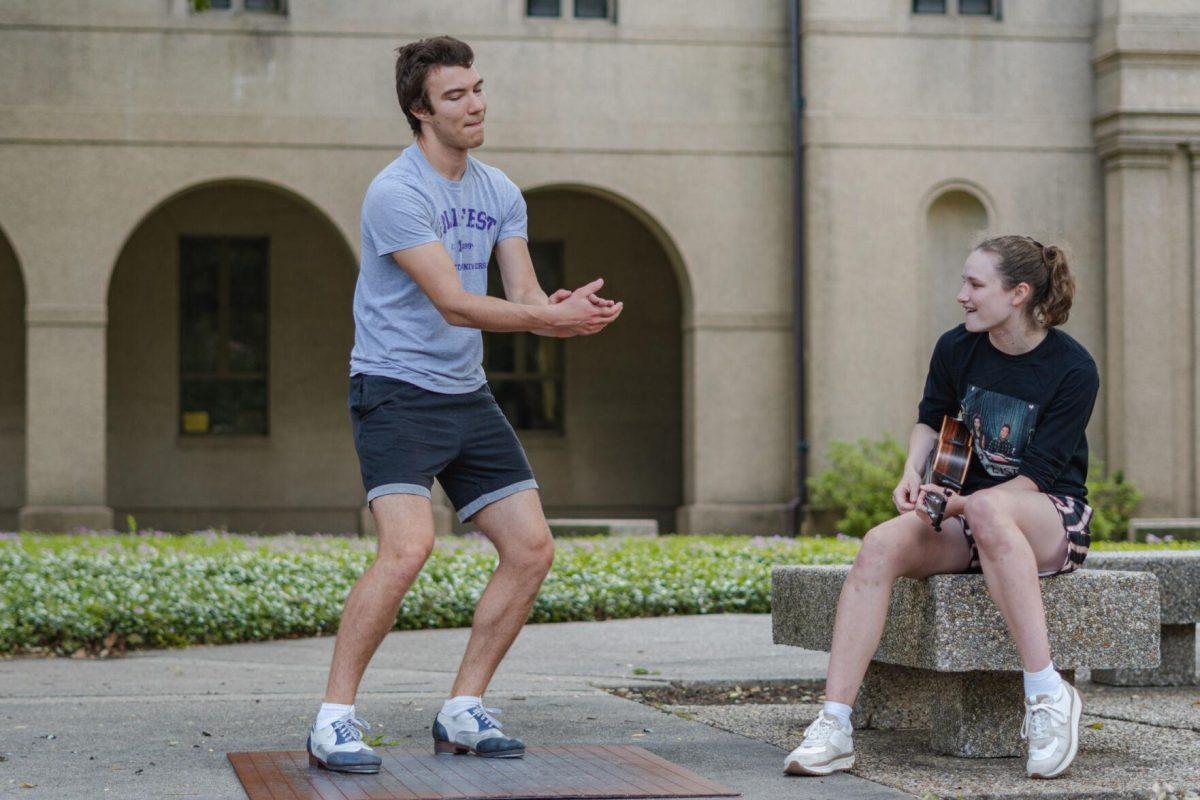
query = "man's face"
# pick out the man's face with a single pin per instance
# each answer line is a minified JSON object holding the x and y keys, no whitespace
{"x":457,"y":106}
{"x":1004,"y":432}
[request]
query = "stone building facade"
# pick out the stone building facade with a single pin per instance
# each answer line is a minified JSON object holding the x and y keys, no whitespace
{"x":654,"y":146}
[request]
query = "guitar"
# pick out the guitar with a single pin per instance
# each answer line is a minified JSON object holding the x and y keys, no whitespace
{"x":947,"y":466}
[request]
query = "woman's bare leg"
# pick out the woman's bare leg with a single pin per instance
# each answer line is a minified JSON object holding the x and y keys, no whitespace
{"x":903,"y":546}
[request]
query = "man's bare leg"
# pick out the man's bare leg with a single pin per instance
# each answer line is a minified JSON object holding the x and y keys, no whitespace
{"x":517,"y":527}
{"x":404,"y":525}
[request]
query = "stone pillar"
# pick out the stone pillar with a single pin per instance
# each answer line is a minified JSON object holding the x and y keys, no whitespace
{"x":737,"y":434}
{"x":65,"y":419}
{"x":1149,"y":327}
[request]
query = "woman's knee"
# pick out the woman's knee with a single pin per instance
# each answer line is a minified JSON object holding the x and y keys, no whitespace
{"x":989,"y":515}
{"x":880,"y":553}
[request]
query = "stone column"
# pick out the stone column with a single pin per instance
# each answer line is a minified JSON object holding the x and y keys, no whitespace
{"x":737,"y":436}
{"x":1149,"y":420}
{"x":65,"y":419}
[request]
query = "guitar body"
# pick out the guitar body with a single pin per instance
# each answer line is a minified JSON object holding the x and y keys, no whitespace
{"x":947,"y":465}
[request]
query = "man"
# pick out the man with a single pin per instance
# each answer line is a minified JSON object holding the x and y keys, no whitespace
{"x":419,"y":403}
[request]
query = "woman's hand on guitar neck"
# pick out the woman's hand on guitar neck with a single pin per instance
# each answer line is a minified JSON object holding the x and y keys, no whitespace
{"x":906,"y":492}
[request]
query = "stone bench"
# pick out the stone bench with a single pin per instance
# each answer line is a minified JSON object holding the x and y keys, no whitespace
{"x":1178,"y":574}
{"x":946,"y":654}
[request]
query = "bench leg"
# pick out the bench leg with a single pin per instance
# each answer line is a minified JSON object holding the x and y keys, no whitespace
{"x":894,"y":698}
{"x":967,"y":714}
{"x":1178,"y":666}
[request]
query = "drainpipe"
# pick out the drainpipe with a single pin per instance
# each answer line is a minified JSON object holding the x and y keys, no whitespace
{"x":800,"y":500}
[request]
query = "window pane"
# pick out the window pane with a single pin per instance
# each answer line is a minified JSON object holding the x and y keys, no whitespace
{"x":499,"y":352}
{"x":591,"y":8}
{"x":929,"y":6}
{"x":247,"y":306}
{"x":217,"y":406}
{"x":542,"y":8}
{"x":975,"y":7}
{"x":271,"y":6}
{"x":220,"y":4}
{"x":223,"y":335}
{"x":199,"y":262}
{"x":530,"y":405}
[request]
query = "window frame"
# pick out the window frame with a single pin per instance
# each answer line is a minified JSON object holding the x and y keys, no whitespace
{"x":224,"y":301}
{"x":238,"y":7}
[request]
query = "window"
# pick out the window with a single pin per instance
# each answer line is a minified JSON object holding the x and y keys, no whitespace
{"x":252,"y":6}
{"x":525,"y":371}
{"x":223,"y":335}
{"x":973,"y":7}
{"x":542,"y":8}
{"x":591,"y":9}
{"x":929,"y":6}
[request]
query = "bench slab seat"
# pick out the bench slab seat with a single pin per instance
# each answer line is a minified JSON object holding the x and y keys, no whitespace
{"x":1178,"y":574}
{"x":946,"y":654}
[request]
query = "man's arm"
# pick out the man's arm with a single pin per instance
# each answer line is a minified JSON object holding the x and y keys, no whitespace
{"x":517,"y":273}
{"x":430,"y":266}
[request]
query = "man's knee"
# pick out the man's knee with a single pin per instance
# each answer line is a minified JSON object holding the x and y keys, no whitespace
{"x":533,"y":555}
{"x":403,"y":559}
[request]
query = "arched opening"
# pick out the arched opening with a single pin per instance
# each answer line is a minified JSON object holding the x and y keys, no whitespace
{"x":229,"y":334}
{"x":954,"y":223}
{"x":619,"y":449}
{"x":12,"y":386}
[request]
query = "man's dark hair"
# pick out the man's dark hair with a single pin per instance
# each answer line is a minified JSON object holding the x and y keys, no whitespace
{"x":413,"y":63}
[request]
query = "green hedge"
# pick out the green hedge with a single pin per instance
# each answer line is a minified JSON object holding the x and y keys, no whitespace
{"x":62,"y":594}
{"x":857,"y":488}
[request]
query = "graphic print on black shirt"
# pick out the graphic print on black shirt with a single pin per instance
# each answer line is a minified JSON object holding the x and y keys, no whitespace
{"x":1002,"y":427}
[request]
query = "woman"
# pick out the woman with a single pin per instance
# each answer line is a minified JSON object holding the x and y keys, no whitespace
{"x":1016,"y":521}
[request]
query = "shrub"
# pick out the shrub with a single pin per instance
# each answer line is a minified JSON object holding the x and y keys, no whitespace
{"x":1113,"y":500}
{"x":858,"y":486}
{"x":103,"y":594}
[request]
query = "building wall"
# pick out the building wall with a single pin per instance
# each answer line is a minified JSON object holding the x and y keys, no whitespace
{"x":908,"y":116}
{"x":680,"y":110}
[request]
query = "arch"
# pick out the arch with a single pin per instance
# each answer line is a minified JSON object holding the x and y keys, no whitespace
{"x":271,"y":185}
{"x":956,"y":216}
{"x":642,"y":215}
{"x":620,"y":452}
{"x":285,"y":459}
{"x":12,"y":382}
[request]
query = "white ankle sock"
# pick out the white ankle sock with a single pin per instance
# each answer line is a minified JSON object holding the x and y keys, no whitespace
{"x":839,"y":711}
{"x":457,"y":705}
{"x":331,"y":711}
{"x":1045,"y":681}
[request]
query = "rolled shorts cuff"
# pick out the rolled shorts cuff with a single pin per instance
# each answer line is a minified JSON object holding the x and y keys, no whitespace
{"x":472,"y":508}
{"x":397,"y":488}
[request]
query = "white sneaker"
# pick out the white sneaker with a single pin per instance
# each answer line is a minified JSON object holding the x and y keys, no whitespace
{"x":339,"y":747}
{"x":476,"y":731}
{"x":827,"y":747}
{"x":1052,"y":727}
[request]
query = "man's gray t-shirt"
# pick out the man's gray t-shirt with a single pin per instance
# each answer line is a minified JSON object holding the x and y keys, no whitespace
{"x":398,"y":333}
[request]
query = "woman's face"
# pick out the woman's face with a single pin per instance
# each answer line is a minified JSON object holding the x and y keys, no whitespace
{"x":988,"y":305}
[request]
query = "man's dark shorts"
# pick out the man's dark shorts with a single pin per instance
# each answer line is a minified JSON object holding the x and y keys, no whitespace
{"x":406,"y":436}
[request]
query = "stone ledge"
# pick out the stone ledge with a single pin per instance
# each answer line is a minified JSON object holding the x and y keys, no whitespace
{"x":1178,"y":574}
{"x":948,"y":623}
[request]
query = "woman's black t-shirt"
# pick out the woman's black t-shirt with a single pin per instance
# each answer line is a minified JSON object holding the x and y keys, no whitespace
{"x":1028,"y":412}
